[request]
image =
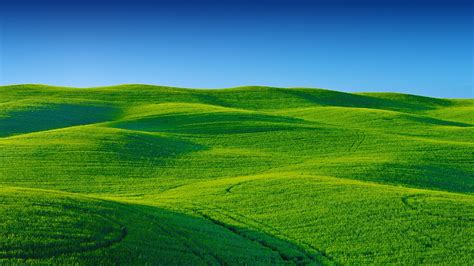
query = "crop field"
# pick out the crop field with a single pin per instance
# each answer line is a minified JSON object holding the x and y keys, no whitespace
{"x":150,"y":175}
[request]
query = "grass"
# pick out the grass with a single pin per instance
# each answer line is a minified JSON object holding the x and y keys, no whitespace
{"x":140,"y":174}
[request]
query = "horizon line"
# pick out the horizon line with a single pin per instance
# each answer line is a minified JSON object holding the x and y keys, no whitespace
{"x":229,"y":88}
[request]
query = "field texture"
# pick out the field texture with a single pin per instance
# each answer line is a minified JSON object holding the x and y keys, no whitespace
{"x":139,"y":174}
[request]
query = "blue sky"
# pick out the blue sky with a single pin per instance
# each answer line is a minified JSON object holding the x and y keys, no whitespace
{"x":419,"y":47}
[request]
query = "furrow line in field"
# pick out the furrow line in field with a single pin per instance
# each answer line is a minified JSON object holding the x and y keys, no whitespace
{"x":273,"y":231}
{"x":406,"y":201}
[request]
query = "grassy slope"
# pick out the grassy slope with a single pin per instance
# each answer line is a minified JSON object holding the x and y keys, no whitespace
{"x":244,"y":175}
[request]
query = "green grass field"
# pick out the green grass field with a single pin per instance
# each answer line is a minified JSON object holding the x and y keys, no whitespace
{"x":149,"y":175}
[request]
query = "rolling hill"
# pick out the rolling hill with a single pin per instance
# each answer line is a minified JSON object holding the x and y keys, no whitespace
{"x":140,"y":174}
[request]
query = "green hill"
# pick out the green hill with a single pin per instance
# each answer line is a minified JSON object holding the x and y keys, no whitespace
{"x":140,"y":174}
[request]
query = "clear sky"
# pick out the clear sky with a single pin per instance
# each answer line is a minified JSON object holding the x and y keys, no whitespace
{"x":419,"y":46}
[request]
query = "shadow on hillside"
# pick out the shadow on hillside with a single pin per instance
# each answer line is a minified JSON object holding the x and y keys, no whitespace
{"x":204,"y":239}
{"x":52,"y":117}
{"x":65,"y":228}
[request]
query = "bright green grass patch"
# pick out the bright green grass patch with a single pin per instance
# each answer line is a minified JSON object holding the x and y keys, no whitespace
{"x":346,"y":221}
{"x":139,"y":174}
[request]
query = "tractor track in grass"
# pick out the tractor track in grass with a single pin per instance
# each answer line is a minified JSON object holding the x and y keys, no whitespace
{"x":358,"y":142}
{"x":77,"y":249}
{"x":124,"y":233}
{"x":190,"y":245}
{"x":187,"y":242}
{"x":203,"y":253}
{"x":406,"y":201}
{"x":229,"y":188}
{"x":239,"y":233}
{"x":276,"y":233}
{"x":423,"y":236}
{"x":423,"y":241}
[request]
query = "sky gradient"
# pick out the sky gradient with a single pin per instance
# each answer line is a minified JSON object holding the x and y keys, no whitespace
{"x":419,"y":47}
